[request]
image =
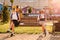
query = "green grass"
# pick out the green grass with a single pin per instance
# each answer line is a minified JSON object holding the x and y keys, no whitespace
{"x":21,"y":29}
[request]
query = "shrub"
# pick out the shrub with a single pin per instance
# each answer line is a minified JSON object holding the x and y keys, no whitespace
{"x":5,"y":14}
{"x":29,"y":10}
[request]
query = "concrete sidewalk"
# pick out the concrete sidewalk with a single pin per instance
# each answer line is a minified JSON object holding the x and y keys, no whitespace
{"x":19,"y":37}
{"x":29,"y":37}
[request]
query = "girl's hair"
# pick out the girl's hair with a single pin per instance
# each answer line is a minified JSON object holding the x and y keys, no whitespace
{"x":17,"y":6}
{"x":41,"y":11}
{"x":13,"y":8}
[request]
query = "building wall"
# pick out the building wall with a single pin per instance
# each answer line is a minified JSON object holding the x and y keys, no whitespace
{"x":36,"y":4}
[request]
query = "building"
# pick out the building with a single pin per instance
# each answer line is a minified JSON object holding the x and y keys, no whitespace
{"x":39,"y":4}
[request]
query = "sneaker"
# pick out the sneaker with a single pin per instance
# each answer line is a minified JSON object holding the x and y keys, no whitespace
{"x":8,"y":31}
{"x":10,"y":28}
{"x":11,"y":35}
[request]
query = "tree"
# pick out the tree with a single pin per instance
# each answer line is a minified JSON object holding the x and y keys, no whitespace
{"x":29,"y":10}
{"x":5,"y":14}
{"x":11,"y":2}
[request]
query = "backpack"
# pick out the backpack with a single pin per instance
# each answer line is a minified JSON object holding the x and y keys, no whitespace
{"x":16,"y":14}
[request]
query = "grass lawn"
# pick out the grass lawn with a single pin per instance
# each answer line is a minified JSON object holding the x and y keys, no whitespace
{"x":21,"y":29}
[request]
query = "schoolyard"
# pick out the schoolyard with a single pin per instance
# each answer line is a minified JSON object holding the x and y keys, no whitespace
{"x":24,"y":29}
{"x":32,"y":33}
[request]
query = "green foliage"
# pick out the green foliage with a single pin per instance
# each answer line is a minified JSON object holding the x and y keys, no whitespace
{"x":5,"y":14}
{"x":29,"y":10}
{"x":24,"y":29}
{"x":11,"y":1}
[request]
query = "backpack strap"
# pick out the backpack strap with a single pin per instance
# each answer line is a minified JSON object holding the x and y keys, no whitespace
{"x":11,"y":16}
{"x":17,"y":16}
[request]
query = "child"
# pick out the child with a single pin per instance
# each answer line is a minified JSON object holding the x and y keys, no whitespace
{"x":14,"y":20}
{"x":42,"y":21}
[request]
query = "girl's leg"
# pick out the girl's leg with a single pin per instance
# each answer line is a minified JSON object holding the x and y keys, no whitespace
{"x":12,"y":29}
{"x":44,"y":30}
{"x":12,"y":26}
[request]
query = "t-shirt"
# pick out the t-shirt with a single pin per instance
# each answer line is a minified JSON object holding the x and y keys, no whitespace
{"x":42,"y":16}
{"x":14,"y":16}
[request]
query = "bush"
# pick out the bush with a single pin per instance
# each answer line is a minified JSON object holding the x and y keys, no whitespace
{"x":5,"y":14}
{"x":29,"y":10}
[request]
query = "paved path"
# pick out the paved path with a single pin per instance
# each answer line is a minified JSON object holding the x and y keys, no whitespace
{"x":56,"y":37}
{"x":29,"y":37}
{"x":20,"y":37}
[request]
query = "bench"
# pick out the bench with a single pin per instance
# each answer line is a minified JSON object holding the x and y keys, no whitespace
{"x":30,"y":21}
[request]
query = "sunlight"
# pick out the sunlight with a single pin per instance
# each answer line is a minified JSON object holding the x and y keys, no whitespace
{"x":56,"y":5}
